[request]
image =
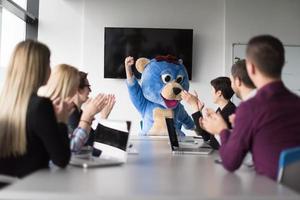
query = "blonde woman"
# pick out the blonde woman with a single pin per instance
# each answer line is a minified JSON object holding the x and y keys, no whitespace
{"x":63,"y":84}
{"x":32,"y":132}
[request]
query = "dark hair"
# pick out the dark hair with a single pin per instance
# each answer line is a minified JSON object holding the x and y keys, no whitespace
{"x":223,"y":84}
{"x":83,"y":79}
{"x":267,"y":52}
{"x":239,"y":70}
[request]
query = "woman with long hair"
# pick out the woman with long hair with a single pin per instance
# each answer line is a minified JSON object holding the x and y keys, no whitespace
{"x":32,"y":129}
{"x":63,"y":84}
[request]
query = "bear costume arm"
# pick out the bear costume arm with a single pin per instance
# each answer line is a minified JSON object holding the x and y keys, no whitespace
{"x":137,"y":96}
{"x":185,"y":119}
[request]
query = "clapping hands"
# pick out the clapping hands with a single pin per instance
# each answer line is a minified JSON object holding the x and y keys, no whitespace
{"x":212,"y":122}
{"x":93,"y":106}
{"x":192,"y":100}
{"x":111,"y":100}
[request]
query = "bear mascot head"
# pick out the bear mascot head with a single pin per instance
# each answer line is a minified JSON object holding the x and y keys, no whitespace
{"x":158,"y":94}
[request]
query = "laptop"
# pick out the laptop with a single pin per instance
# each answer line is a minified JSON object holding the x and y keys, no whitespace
{"x":109,"y":148}
{"x":199,"y":149}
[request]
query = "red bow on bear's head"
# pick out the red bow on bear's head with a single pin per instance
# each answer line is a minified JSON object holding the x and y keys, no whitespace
{"x":167,"y":58}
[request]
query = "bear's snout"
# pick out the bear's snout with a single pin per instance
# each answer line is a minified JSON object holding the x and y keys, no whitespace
{"x":171,"y":91}
{"x":176,"y":90}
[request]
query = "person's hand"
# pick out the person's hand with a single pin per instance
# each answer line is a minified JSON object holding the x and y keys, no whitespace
{"x":129,"y":61}
{"x":111,"y":100}
{"x":192,"y":100}
{"x":213,"y":122}
{"x":232,"y":119}
{"x":208,"y":112}
{"x":63,"y":109}
{"x":92,"y":107}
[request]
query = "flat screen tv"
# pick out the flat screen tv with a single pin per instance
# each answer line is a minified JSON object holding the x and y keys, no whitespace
{"x":145,"y":42}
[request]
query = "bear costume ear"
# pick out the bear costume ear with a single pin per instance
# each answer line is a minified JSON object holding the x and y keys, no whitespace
{"x":141,"y":63}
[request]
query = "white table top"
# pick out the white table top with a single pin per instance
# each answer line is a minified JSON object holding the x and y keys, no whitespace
{"x":154,"y":173}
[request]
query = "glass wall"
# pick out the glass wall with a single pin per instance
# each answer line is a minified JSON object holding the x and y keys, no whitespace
{"x":12,"y":30}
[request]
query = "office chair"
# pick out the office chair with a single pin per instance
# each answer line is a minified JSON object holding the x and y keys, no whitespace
{"x":289,"y":168}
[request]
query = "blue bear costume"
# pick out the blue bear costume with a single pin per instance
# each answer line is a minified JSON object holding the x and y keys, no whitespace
{"x":158,"y":94}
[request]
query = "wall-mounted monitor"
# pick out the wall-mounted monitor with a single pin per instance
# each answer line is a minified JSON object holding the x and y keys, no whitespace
{"x":145,"y":42}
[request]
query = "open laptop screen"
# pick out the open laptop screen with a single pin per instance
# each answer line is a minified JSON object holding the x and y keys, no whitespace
{"x":111,"y":135}
{"x":172,"y":133}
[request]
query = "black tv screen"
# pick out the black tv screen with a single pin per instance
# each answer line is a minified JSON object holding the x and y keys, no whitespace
{"x":145,"y":42}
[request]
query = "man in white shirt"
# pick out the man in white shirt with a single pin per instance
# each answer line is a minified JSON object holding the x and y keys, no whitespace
{"x":240,"y":81}
{"x":241,"y":84}
{"x":244,"y":90}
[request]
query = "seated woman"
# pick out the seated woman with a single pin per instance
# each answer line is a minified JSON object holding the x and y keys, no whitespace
{"x":63,"y":84}
{"x":81,"y":97}
{"x":221,"y":95}
{"x":32,"y":132}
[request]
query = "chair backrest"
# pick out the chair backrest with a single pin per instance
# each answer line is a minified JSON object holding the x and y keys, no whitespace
{"x":289,"y":168}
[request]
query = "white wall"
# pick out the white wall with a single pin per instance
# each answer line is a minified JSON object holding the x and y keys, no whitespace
{"x":245,"y":19}
{"x":74,"y":31}
{"x":208,"y":30}
{"x":61,"y":28}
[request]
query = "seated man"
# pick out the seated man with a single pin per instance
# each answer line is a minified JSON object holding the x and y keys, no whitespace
{"x":241,"y":84}
{"x":265,"y":124}
{"x":221,"y":95}
{"x":244,"y":89}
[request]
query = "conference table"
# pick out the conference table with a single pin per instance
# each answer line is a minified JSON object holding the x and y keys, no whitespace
{"x":154,"y":173}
